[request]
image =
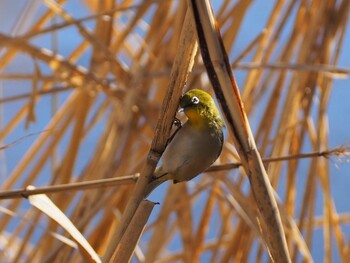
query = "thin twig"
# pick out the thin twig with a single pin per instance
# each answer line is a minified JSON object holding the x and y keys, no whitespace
{"x":129,"y":179}
{"x":341,"y":151}
{"x":21,"y":139}
{"x":327,"y":69}
{"x":38,"y":93}
{"x":70,"y":187}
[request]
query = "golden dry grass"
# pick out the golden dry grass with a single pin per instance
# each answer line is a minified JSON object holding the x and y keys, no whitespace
{"x":98,"y":122}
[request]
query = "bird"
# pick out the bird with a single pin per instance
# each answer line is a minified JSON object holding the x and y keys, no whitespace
{"x":195,"y":145}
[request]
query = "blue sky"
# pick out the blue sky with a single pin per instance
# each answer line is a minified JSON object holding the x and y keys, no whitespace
{"x":338,"y":109}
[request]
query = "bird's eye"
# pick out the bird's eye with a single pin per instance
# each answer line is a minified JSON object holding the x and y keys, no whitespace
{"x":195,"y":100}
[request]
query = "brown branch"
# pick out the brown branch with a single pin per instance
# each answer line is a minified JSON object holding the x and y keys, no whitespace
{"x":38,"y":93}
{"x":70,"y":187}
{"x":341,"y":151}
{"x":11,"y":76}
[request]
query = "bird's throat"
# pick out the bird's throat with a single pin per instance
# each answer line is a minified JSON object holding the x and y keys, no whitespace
{"x":196,"y":120}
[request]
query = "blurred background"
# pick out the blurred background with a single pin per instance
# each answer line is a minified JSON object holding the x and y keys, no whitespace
{"x":81,"y":86}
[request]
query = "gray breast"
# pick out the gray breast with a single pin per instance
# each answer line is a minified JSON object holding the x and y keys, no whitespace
{"x":191,"y":152}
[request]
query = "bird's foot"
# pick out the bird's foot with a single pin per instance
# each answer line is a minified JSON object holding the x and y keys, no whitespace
{"x":177,"y":122}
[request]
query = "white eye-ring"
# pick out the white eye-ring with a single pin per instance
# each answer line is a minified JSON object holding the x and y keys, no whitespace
{"x":195,"y":100}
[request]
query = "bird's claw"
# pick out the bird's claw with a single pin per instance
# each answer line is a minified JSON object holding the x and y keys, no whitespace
{"x":177,"y":122}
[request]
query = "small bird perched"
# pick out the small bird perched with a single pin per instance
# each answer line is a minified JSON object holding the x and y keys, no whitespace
{"x":195,"y":145}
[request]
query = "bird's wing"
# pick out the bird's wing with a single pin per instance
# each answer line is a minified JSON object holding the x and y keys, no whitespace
{"x":178,"y":127}
{"x":221,"y":138}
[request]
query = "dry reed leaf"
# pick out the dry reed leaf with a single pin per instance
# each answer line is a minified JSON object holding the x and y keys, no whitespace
{"x":45,"y":205}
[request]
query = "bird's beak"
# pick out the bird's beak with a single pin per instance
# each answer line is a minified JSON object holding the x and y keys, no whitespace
{"x":180,"y":110}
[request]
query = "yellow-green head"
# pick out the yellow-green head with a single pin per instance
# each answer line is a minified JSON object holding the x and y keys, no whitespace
{"x":200,"y":109}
